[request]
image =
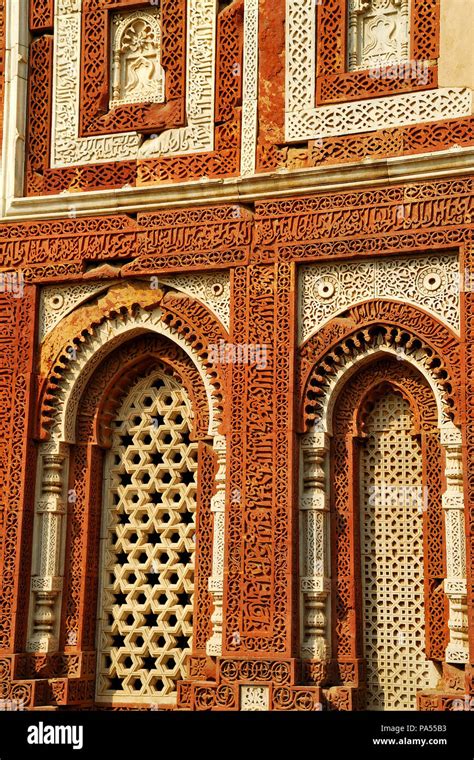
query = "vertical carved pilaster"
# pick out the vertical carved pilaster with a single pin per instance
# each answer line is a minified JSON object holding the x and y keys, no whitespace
{"x":356,"y":7}
{"x":455,"y":585}
{"x":216,"y":581}
{"x":405,"y":28}
{"x":116,"y":75}
{"x":46,"y":583}
{"x":315,"y":583}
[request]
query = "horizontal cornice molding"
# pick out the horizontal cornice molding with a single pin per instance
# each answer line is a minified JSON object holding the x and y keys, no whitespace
{"x":280,"y":184}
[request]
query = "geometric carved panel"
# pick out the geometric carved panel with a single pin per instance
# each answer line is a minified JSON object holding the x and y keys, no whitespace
{"x":68,"y":149}
{"x":145,"y":625}
{"x":392,"y":557}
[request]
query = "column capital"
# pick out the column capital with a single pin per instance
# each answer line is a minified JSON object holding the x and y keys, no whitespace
{"x":219,"y":444}
{"x":453,"y":500}
{"x":218,"y":502}
{"x":315,"y":499}
{"x":455,"y":587}
{"x":451,"y":436}
{"x":48,"y":583}
{"x":318,"y":584}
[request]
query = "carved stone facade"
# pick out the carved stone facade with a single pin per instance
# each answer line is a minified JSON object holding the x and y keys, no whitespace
{"x":236,"y":356}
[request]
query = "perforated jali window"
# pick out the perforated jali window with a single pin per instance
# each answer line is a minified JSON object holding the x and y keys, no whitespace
{"x":392,"y":557}
{"x":146,"y":601}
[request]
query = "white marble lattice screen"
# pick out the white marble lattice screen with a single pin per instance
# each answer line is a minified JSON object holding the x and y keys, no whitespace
{"x":392,"y":573}
{"x":146,"y":605}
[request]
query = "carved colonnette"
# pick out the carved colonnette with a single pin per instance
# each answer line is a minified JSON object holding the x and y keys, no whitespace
{"x":315,"y":573}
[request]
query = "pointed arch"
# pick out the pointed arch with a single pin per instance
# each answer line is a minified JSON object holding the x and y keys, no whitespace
{"x":365,"y":329}
{"x":93,"y":371}
{"x":354,"y":346}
